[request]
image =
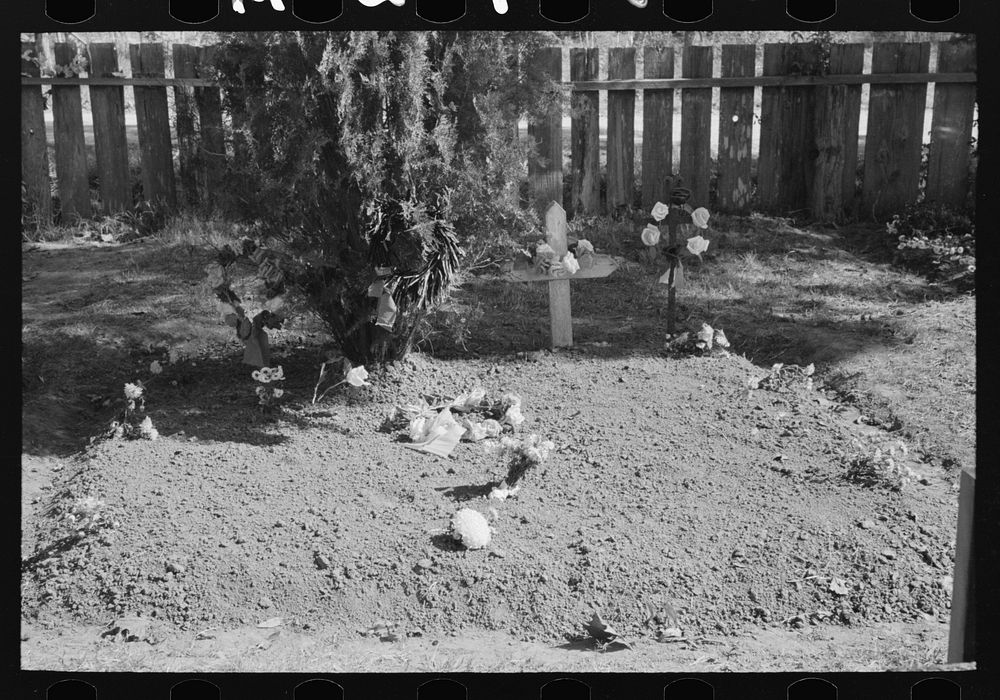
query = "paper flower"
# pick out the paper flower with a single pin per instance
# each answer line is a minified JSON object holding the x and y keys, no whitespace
{"x":492,"y":427}
{"x":147,"y":430}
{"x":155,"y":367}
{"x":471,"y":528}
{"x":544,"y":250}
{"x":357,"y":376}
{"x":584,"y":247}
{"x":513,"y":416}
{"x":697,"y":245}
{"x":132,"y":391}
{"x":417,"y":428}
{"x":570,"y":265}
{"x":651,"y":235}
{"x":699,"y":217}
{"x":660,"y":211}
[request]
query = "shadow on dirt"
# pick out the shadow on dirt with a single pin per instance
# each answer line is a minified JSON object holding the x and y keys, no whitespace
{"x":623,"y":317}
{"x":446,"y":543}
{"x":469,"y":492}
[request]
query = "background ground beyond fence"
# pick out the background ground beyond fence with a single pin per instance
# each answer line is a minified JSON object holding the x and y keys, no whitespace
{"x":787,"y":133}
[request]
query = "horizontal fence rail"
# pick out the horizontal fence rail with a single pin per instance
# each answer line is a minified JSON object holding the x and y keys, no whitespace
{"x":785,"y":141}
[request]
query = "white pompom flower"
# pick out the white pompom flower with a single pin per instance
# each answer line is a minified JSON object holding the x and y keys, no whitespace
{"x":471,"y":528}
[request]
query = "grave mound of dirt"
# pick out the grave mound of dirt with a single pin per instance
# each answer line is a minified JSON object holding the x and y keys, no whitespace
{"x":674,"y":490}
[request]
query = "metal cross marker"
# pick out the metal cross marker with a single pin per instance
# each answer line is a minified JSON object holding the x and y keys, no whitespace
{"x":559,"y":305}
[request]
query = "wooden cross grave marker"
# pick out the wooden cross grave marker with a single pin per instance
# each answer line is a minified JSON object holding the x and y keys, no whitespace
{"x":591,"y":266}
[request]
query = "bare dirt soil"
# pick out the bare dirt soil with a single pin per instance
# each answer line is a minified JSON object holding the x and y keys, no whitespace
{"x":674,"y":490}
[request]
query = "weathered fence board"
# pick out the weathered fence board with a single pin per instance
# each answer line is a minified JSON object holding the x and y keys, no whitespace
{"x":107,"y":105}
{"x":185,"y":59}
{"x":153,"y":122}
{"x":696,"y":125}
{"x":835,"y":125}
{"x":585,"y":135}
{"x":735,"y":131}
{"x":951,"y":129}
{"x":545,"y":165}
{"x":657,"y":126}
{"x":895,"y":126}
{"x":213,"y":138}
{"x":70,"y":146}
{"x":621,"y":131}
{"x":808,"y":155}
{"x":787,"y":139}
{"x":34,"y":158}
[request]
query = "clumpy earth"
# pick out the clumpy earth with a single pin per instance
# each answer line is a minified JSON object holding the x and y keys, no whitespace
{"x":677,"y":498}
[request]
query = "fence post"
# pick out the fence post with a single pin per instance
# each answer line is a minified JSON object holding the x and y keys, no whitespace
{"x":735,"y":130}
{"x":696,"y":124}
{"x":34,"y":158}
{"x":951,"y":128}
{"x":153,"y":122}
{"x":895,"y":131}
{"x":213,"y":138}
{"x":70,"y":146}
{"x":545,"y":166}
{"x":585,"y":134}
{"x":107,"y":104}
{"x":962,"y":632}
{"x":621,"y":130}
{"x":657,"y":127}
{"x":185,"y":57}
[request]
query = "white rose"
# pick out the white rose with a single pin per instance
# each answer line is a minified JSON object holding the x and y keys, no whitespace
{"x":699,"y":217}
{"x":651,"y":235}
{"x":697,"y":245}
{"x":357,"y":376}
{"x":660,"y":211}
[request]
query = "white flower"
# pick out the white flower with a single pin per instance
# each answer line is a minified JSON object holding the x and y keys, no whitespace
{"x":147,"y":430}
{"x":697,"y":245}
{"x":357,"y":376}
{"x":173,"y":357}
{"x":660,"y":211}
{"x":544,"y":250}
{"x":513,"y":416}
{"x":261,"y":391}
{"x":132,"y":391}
{"x":570,"y":264}
{"x":492,"y":427}
{"x":155,"y":367}
{"x":651,"y":235}
{"x":278,"y":393}
{"x":471,"y":528}
{"x":584,"y":247}
{"x":417,"y":429}
{"x":699,"y":217}
{"x":511,"y":400}
{"x":278,"y":373}
{"x":257,"y":376}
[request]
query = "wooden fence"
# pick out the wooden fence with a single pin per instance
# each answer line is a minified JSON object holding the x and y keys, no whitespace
{"x":808,"y":148}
